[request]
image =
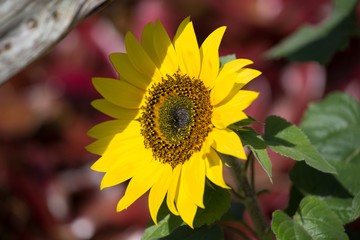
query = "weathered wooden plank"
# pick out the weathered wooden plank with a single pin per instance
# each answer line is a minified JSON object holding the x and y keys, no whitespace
{"x":28,"y":28}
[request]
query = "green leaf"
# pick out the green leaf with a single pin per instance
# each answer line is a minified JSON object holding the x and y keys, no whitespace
{"x":333,"y":126}
{"x":235,"y":212}
{"x":348,"y":176}
{"x":217,"y":201}
{"x":319,"y":43}
{"x":314,"y":220}
{"x":342,"y":207}
{"x":167,"y":222}
{"x":285,"y":228}
{"x":356,"y":206}
{"x":226,"y":59}
{"x":255,"y":142}
{"x":244,"y":122}
{"x":295,"y":198}
{"x":310,"y":181}
{"x":213,"y":232}
{"x":285,"y":138}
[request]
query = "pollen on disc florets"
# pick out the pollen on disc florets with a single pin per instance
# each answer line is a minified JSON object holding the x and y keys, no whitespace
{"x":176,"y":118}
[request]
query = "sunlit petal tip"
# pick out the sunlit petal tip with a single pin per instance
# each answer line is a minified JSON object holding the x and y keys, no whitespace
{"x":94,"y":167}
{"x":120,"y":206}
{"x":143,"y":179}
{"x":209,"y":53}
{"x":158,"y":192}
{"x":181,"y":27}
{"x":173,"y":190}
{"x":188,"y":52}
{"x":227,"y":142}
{"x":238,"y":63}
{"x":214,"y":169}
{"x":246,"y":75}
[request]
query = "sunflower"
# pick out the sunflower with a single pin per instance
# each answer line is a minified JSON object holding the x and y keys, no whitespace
{"x":172,"y":105}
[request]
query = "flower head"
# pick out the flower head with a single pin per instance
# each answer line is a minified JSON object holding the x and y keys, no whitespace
{"x":172,"y":105}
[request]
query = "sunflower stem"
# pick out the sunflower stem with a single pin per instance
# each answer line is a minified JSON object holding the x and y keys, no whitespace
{"x":252,"y":173}
{"x":250,"y":201}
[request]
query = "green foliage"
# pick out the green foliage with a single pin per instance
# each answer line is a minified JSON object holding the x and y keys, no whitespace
{"x":342,"y":207}
{"x":310,"y":181}
{"x":217,"y":201}
{"x":356,"y":206}
{"x":285,"y":138}
{"x":325,"y":194}
{"x":295,"y":198}
{"x":320,"y":43}
{"x":333,"y":126}
{"x":167,"y":222}
{"x":255,"y":142}
{"x":235,"y":212}
{"x":348,"y":175}
{"x":244,"y":122}
{"x":314,"y":220}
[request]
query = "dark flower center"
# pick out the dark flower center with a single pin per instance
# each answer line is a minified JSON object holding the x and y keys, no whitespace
{"x":176,"y":118}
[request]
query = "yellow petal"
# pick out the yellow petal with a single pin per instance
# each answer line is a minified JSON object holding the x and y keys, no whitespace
{"x":125,"y":149}
{"x":147,"y":42}
{"x":99,"y":146}
{"x":173,"y":190}
{"x":165,"y":51}
{"x":245,"y":75}
{"x":119,"y":92}
{"x":140,"y":59}
{"x":181,"y":28}
{"x":158,"y":192}
{"x":209,"y":53}
{"x":112,"y":142}
{"x":227,"y":142}
{"x":242,"y":99}
{"x":131,"y":130}
{"x":113,"y":110}
{"x":193,"y":178}
{"x":232,"y":111}
{"x":225,"y":115}
{"x":184,"y":203}
{"x":144,"y":179}
{"x":226,"y":79}
{"x":125,"y":167}
{"x":187,"y":49}
{"x":233,"y":66}
{"x":214,"y":169}
{"x":222,"y":89}
{"x":128,"y":72}
{"x":108,"y":128}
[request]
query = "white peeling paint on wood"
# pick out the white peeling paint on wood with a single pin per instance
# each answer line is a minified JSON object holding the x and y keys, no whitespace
{"x":28,"y":28}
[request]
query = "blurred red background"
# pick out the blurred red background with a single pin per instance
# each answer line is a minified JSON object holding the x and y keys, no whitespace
{"x":47,"y":190}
